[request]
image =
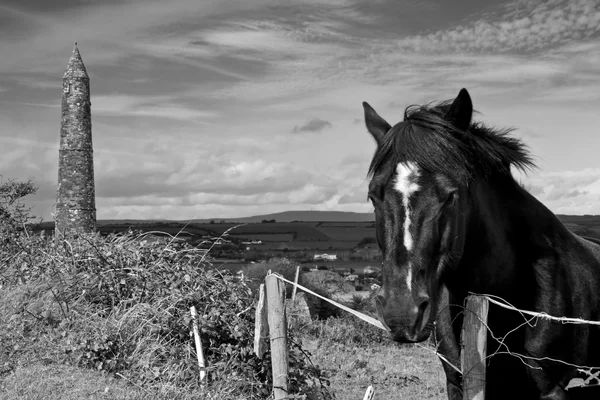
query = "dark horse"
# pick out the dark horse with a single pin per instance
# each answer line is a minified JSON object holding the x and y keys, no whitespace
{"x":451,"y":219}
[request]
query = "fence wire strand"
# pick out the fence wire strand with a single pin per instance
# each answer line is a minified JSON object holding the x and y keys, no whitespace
{"x":530,"y":319}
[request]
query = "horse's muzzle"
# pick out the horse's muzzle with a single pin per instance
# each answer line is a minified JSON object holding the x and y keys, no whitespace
{"x":408,"y":323}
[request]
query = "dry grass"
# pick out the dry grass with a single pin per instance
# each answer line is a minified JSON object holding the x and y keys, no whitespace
{"x":62,"y":382}
{"x":355,"y":355}
{"x":396,"y":372}
{"x":49,"y":382}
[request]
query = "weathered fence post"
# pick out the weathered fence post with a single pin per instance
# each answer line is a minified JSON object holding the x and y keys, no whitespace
{"x":474,"y":347}
{"x":369,"y":393}
{"x":261,"y":324}
{"x":199,"y":351}
{"x":296,"y":282}
{"x":277,"y":335}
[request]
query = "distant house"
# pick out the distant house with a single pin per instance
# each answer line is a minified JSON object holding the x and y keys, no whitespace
{"x":325,"y":256}
{"x":253,"y":242}
{"x":351,"y":278}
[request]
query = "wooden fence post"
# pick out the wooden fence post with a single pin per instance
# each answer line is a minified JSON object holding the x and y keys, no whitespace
{"x":261,"y":324}
{"x":474,"y":347}
{"x":296,"y":282}
{"x":199,"y":351}
{"x":277,"y":335}
{"x":369,"y":393}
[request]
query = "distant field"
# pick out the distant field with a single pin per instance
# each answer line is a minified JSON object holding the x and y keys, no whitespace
{"x":309,"y":236}
{"x":347,"y":224}
{"x":301,"y":231}
{"x":357,"y":266}
{"x":322,"y":245}
{"x":347,"y":233}
{"x":269,"y":237}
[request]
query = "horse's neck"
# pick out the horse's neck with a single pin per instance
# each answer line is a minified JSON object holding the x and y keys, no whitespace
{"x":507,"y":228}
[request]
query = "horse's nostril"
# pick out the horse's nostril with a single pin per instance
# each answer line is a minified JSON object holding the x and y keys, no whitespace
{"x":423,"y":306}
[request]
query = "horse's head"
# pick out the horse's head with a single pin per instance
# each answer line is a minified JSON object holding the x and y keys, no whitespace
{"x":421,"y":208}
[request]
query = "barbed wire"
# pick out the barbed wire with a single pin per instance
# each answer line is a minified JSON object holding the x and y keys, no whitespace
{"x":530,"y":319}
{"x":505,"y":304}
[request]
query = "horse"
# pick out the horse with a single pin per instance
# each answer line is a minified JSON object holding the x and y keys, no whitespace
{"x":451,"y":220}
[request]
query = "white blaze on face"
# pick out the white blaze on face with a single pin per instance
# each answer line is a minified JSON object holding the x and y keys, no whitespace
{"x":409,"y":278}
{"x":407,"y":173}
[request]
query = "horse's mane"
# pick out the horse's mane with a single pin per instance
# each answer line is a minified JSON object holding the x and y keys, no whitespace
{"x":434,"y":144}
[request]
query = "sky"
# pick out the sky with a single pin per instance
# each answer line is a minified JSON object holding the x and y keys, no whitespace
{"x":223,"y":108}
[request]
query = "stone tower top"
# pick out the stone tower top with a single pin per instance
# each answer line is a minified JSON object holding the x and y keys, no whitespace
{"x":75,"y":67}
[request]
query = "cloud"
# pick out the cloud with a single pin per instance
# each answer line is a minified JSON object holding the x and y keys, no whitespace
{"x":538,"y":25}
{"x":567,"y":192}
{"x":357,"y":196}
{"x":147,"y":106}
{"x":314,"y":125}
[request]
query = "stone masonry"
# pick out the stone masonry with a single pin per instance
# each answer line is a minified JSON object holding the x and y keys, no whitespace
{"x":76,"y":198}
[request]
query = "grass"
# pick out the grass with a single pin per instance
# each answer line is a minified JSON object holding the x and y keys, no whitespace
{"x":396,"y":372}
{"x":64,"y":382}
{"x":351,"y":355}
{"x":49,"y":382}
{"x":355,"y":355}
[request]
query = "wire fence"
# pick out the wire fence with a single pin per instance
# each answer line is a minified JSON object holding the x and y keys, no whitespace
{"x":590,"y":375}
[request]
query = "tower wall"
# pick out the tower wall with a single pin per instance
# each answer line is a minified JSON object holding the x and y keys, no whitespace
{"x":76,"y":197}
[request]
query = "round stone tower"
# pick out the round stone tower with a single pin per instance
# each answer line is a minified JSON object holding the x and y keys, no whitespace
{"x":76,"y":198}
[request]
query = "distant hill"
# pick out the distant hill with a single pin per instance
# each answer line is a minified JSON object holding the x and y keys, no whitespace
{"x":305,"y":216}
{"x":286,"y":216}
{"x":587,"y":225}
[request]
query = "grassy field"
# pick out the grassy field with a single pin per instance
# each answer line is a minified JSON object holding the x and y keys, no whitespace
{"x":396,"y":372}
{"x":356,"y":355}
{"x":400,"y":372}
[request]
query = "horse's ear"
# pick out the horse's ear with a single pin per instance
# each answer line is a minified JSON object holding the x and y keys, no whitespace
{"x":461,"y":110}
{"x":376,"y":125}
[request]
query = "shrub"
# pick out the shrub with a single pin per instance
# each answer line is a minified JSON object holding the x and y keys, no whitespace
{"x":256,"y":273}
{"x":362,"y":304}
{"x":13,"y":213}
{"x":121,"y":304}
{"x":346,"y":329}
{"x":251,"y":256}
{"x":327,"y":284}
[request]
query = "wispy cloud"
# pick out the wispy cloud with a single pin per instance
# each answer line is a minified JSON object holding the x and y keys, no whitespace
{"x":534,"y":26}
{"x":148,"y":106}
{"x":314,"y":125}
{"x":568,"y":192}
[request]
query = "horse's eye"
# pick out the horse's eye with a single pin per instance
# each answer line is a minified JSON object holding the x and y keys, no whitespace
{"x":451,"y":199}
{"x":376,"y":196}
